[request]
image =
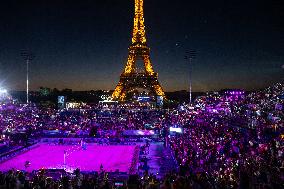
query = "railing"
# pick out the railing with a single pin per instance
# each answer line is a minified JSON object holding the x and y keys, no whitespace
{"x":15,"y":152}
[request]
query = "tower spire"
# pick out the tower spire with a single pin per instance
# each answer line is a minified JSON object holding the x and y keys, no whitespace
{"x":139,"y":34}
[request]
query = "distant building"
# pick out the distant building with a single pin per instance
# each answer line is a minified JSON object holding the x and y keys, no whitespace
{"x":44,"y":91}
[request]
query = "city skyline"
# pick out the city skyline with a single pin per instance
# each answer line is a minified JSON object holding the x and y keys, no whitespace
{"x":82,"y":45}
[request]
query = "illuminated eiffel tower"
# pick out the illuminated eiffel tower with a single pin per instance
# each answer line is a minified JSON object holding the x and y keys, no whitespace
{"x":138,"y":50}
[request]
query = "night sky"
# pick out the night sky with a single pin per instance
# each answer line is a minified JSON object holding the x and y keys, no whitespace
{"x":83,"y":44}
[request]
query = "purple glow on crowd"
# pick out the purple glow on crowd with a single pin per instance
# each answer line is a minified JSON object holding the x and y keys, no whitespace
{"x":231,"y":139}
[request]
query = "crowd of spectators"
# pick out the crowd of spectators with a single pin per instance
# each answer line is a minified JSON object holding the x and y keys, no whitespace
{"x":233,"y":140}
{"x":229,"y":140}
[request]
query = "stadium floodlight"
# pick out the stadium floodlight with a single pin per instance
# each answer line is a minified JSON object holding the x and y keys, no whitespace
{"x":3,"y":91}
{"x":190,"y":56}
{"x":28,"y":57}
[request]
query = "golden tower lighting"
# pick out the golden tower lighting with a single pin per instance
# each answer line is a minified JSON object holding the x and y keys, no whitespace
{"x":130,"y":78}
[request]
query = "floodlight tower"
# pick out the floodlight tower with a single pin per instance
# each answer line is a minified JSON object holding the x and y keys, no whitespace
{"x":28,"y":57}
{"x":190,"y":56}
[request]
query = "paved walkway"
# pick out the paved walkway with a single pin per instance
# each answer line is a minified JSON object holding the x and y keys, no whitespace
{"x":160,"y":159}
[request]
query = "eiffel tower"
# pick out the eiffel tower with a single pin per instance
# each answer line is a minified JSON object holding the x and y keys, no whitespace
{"x":131,"y":78}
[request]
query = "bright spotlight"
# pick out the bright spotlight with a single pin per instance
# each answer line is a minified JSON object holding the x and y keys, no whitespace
{"x":3,"y":91}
